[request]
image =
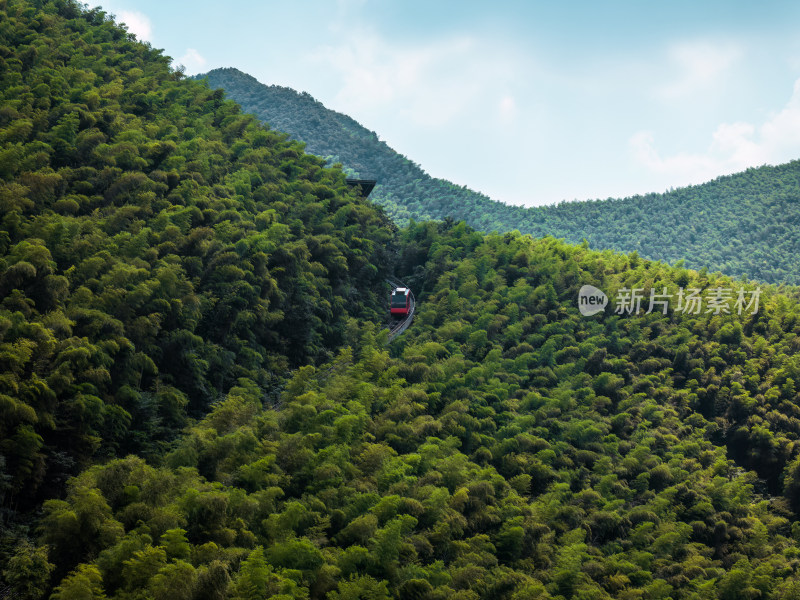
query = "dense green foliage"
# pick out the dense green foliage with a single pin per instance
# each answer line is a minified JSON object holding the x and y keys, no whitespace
{"x":157,"y":246}
{"x":506,"y":447}
{"x":745,"y":224}
{"x":191,"y":324}
{"x":404,"y":189}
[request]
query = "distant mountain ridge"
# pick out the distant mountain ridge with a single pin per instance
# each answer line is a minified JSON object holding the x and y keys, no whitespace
{"x":742,"y":225}
{"x":404,"y":189}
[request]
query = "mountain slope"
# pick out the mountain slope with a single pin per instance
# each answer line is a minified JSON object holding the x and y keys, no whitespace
{"x":742,"y":225}
{"x":157,"y":248}
{"x":191,"y":323}
{"x":505,"y":447}
{"x":404,"y":189}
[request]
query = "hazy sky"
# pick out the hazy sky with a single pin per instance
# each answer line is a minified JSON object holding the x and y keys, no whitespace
{"x":527,"y":102}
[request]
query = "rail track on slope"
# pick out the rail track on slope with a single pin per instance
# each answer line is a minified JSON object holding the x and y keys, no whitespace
{"x":398,"y":326}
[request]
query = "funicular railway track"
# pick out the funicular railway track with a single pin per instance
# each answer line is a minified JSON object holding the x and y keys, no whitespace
{"x":398,"y":326}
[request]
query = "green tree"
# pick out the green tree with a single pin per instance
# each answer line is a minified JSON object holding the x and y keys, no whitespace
{"x":83,"y":583}
{"x":361,"y":588}
{"x":28,"y":571}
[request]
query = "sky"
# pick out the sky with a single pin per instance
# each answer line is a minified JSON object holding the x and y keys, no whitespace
{"x":528,"y":102}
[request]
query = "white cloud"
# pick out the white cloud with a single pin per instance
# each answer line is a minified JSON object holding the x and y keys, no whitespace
{"x":681,"y":168}
{"x":700,"y":65}
{"x":781,"y":134}
{"x":507,"y":108}
{"x":733,"y":147}
{"x":453,"y":104}
{"x":192,"y":61}
{"x":138,"y":23}
{"x":427,"y":84}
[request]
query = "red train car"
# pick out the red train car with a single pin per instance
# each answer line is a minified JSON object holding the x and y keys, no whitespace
{"x":400,"y":302}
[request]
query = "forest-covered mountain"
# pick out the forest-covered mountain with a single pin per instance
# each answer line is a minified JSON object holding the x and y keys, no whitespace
{"x":746,"y":224}
{"x":198,"y":401}
{"x":158,"y":248}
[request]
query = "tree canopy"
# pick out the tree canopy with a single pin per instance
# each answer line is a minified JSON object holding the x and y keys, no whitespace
{"x":198,"y":400}
{"x":158,"y":246}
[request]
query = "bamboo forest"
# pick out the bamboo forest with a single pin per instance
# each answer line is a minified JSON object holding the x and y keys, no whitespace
{"x":200,"y":399}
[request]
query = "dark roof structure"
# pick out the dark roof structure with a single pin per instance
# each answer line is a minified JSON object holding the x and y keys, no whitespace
{"x":366,"y":185}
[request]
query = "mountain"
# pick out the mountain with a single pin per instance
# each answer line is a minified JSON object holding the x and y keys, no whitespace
{"x":742,"y":225}
{"x":404,"y":189}
{"x":198,"y":399}
{"x":158,"y":248}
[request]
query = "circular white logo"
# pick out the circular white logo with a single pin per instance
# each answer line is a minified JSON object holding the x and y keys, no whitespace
{"x":591,"y":300}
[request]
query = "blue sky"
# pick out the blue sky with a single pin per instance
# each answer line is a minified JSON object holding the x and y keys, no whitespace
{"x":528,"y":102}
